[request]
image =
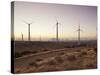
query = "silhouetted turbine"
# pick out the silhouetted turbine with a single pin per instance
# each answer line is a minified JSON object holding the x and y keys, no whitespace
{"x":22,"y":36}
{"x":79,"y":30}
{"x":29,"y":38}
{"x":57,"y":31}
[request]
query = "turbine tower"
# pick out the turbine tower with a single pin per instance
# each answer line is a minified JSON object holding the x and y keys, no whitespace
{"x":22,"y":36}
{"x":79,"y":30}
{"x":57,"y":31}
{"x":29,"y":37}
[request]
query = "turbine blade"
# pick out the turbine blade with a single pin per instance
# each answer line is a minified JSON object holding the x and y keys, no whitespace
{"x":25,"y":22}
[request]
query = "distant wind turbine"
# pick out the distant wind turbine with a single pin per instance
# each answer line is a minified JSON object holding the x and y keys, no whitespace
{"x":28,"y":30}
{"x":79,"y":30}
{"x":57,"y":31}
{"x":22,"y":36}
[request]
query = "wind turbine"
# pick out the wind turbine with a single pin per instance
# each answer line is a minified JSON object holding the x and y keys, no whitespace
{"x":22,"y":36}
{"x":79,"y":32}
{"x":28,"y":30}
{"x":57,"y":30}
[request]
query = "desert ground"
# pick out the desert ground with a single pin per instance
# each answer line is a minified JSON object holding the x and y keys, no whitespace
{"x":45,"y":56}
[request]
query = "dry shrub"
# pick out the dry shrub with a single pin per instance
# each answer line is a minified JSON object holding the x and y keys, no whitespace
{"x":71,"y":46}
{"x":17,"y":54}
{"x":62,"y":53}
{"x":71,"y":58}
{"x":17,"y":70}
{"x":45,"y":49}
{"x":26,"y":52}
{"x":78,"y":50}
{"x":90,"y":66}
{"x":59,"y":59}
{"x":33,"y":64}
{"x":34,"y":52}
{"x":52,"y":62}
{"x":91,"y":52}
{"x":84,"y":53}
{"x":39,"y":59}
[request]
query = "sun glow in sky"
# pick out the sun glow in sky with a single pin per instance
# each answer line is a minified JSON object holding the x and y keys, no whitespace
{"x":43,"y":17}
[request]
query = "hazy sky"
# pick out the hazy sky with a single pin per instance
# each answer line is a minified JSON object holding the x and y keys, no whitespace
{"x":43,"y":17}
